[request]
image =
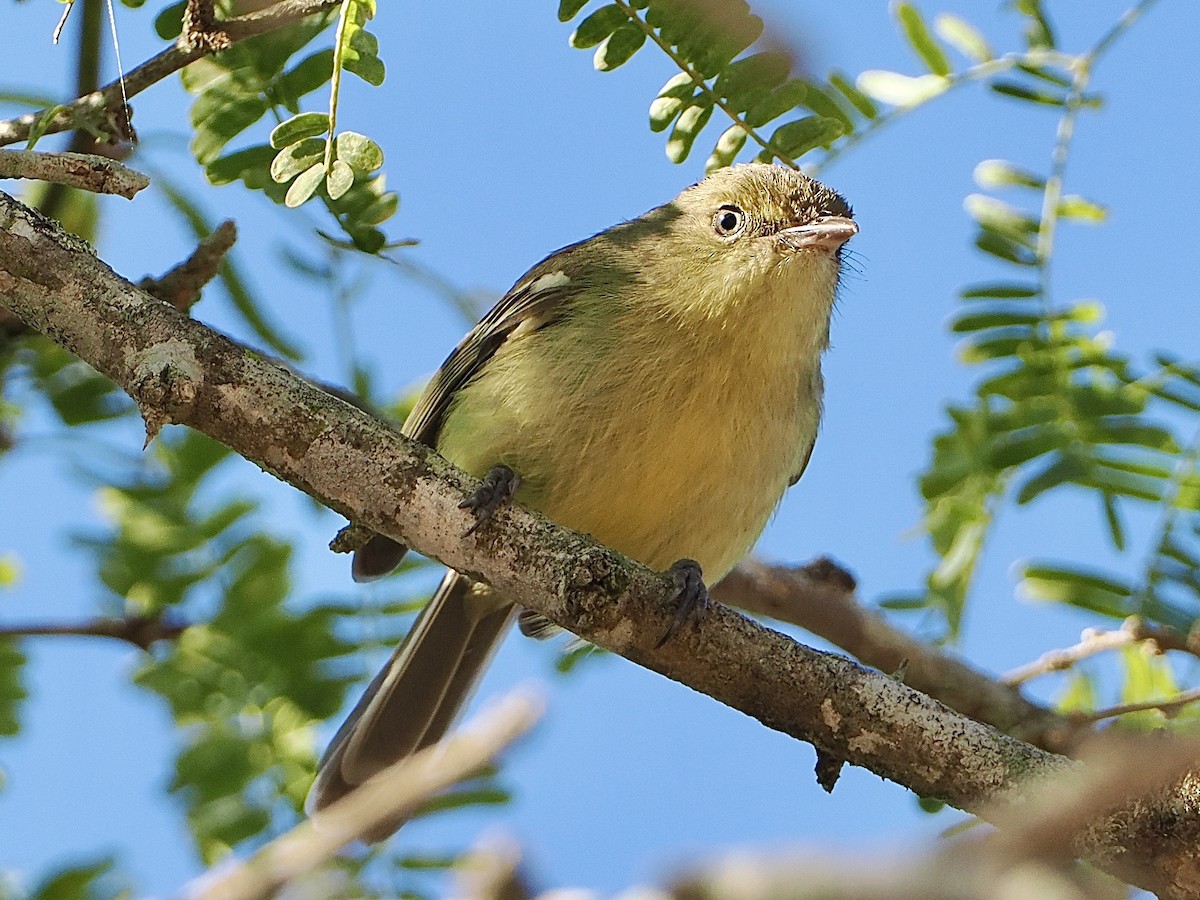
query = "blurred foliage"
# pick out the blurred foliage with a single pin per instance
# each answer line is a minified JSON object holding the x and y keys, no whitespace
{"x":249,"y":667}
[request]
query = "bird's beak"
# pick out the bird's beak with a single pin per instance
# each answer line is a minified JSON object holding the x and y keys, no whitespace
{"x":827,"y":233}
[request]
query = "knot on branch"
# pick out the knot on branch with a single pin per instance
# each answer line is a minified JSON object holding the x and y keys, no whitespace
{"x":201,"y":30}
{"x":165,"y":382}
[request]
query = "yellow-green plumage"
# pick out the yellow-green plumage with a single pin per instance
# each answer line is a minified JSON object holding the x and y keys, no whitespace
{"x":657,"y":386}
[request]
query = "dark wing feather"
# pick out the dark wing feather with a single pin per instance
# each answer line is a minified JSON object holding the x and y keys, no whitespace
{"x":522,"y":304}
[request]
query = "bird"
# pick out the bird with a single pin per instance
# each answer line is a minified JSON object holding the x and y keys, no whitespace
{"x":657,"y":386}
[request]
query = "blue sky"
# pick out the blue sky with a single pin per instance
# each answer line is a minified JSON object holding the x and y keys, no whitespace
{"x":504,"y":144}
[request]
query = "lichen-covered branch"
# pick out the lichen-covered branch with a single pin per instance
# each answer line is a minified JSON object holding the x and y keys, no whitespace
{"x":820,"y":597}
{"x":178,"y":370}
{"x":85,"y":171}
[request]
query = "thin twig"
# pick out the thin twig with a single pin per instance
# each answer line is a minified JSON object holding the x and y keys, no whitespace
{"x":394,"y":792}
{"x":1170,"y":706}
{"x":155,"y":69}
{"x":85,"y":171}
{"x":140,"y":631}
{"x":1091,"y":642}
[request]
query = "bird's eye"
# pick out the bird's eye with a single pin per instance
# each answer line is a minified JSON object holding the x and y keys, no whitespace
{"x":728,"y":221}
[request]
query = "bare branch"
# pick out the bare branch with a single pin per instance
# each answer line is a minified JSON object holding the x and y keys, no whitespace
{"x":820,"y":597}
{"x":181,"y":285}
{"x":99,"y":103}
{"x":85,"y":171}
{"x":176,"y":368}
{"x":393,"y":793}
{"x":1169,"y":706}
{"x":141,"y":631}
{"x":1133,"y":630}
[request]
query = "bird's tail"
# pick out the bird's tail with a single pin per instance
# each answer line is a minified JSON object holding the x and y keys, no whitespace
{"x":417,"y":695}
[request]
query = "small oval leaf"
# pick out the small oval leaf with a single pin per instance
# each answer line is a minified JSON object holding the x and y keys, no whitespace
{"x":913,"y":25}
{"x":305,"y":185}
{"x":291,"y":161}
{"x":900,"y":90}
{"x":297,"y":128}
{"x":339,"y":180}
{"x":358,"y":151}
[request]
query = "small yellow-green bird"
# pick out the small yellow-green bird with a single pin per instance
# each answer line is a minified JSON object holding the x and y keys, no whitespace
{"x":657,"y":386}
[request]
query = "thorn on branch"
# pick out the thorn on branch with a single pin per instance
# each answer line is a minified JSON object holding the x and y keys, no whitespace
{"x":181,"y":285}
{"x":166,"y":379}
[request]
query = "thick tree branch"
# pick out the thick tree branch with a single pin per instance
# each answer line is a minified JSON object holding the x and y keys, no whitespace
{"x":820,"y":598}
{"x":100,"y":103}
{"x":177,"y":369}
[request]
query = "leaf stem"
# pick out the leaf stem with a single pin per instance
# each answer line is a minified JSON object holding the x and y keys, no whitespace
{"x":335,"y":80}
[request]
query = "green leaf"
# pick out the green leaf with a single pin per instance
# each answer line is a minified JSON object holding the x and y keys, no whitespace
{"x":857,"y":98}
{"x":168,"y":24}
{"x":995,"y":317}
{"x":306,"y":76}
{"x":369,"y":68}
{"x":248,"y":165}
{"x":748,"y":78}
{"x":822,"y":103}
{"x":339,"y":180}
{"x":963,"y":37}
{"x":902,"y":602}
{"x":781,"y":100}
{"x":728,"y":146}
{"x":998,"y":216}
{"x":358,"y":151}
{"x":618,"y":48}
{"x":297,"y":128}
{"x":798,"y":137}
{"x":998,"y":173}
{"x":690,"y":123}
{"x":1005,"y":248}
{"x":569,"y":9}
{"x":1087,"y":589}
{"x":1030,"y":95}
{"x":1079,"y":695}
{"x":305,"y":185}
{"x":1148,"y":677}
{"x":10,"y":570}
{"x":1048,"y":75}
{"x":1038,"y":32}
{"x":913,"y":25}
{"x":1081,"y":209}
{"x":85,"y":881}
{"x":1001,"y":290}
{"x":675,"y":96}
{"x":900,"y":90}
{"x":1061,"y":470}
{"x":596,"y":27}
{"x":1116,"y":530}
{"x":299,"y":157}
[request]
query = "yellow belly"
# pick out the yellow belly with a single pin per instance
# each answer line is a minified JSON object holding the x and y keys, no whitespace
{"x":674,"y":447}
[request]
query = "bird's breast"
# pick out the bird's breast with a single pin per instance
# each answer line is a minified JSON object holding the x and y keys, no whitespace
{"x":663,"y":443}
